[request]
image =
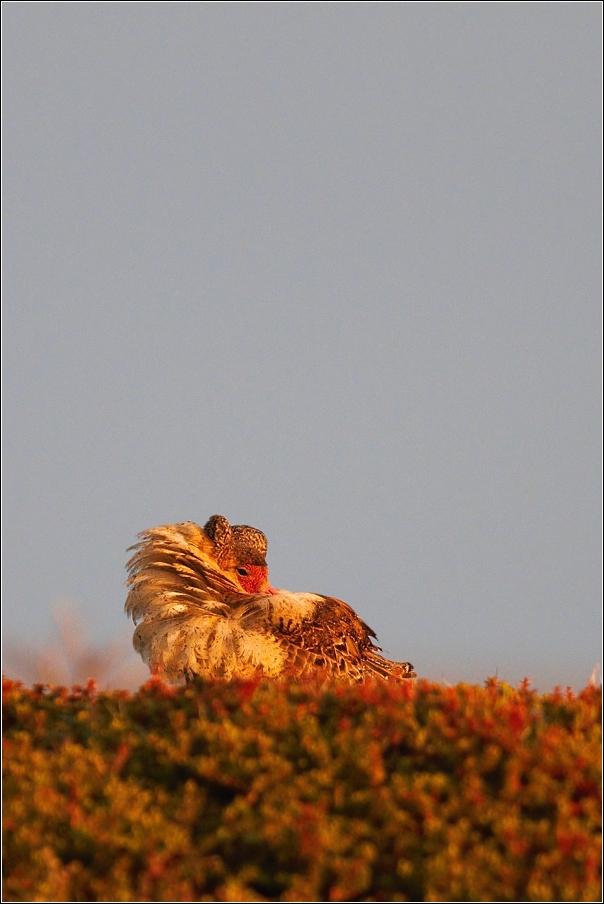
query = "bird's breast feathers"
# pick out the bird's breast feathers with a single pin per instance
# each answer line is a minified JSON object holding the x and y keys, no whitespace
{"x":242,"y":640}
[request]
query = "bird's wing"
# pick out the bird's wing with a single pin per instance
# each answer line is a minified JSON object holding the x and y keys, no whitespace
{"x":174,"y":566}
{"x":321,"y":636}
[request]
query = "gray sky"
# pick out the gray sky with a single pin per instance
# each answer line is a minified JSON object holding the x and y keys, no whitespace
{"x":329,"y":269}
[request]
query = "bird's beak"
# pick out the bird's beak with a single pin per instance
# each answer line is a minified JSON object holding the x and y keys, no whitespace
{"x":270,"y":589}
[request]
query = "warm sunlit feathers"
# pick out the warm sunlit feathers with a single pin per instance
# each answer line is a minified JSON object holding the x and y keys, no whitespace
{"x":202,"y":603}
{"x":249,"y":544}
{"x":237,"y":544}
{"x":240,"y":551}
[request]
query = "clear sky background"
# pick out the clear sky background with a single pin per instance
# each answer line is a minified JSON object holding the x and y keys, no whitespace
{"x":329,"y":269}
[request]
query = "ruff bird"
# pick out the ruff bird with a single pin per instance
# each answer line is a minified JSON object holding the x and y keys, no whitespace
{"x":203,"y":605}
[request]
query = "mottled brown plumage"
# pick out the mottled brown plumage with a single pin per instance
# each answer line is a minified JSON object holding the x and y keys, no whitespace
{"x":203,"y":606}
{"x":235,"y":545}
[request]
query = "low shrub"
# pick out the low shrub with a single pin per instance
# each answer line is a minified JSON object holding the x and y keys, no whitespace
{"x":271,"y":792}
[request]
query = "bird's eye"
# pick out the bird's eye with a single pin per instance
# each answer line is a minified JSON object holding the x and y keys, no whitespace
{"x":243,"y":571}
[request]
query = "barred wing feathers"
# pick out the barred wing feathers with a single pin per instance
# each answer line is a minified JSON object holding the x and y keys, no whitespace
{"x":334,"y":643}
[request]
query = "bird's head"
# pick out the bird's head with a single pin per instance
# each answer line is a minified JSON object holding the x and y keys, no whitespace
{"x":241,"y":554}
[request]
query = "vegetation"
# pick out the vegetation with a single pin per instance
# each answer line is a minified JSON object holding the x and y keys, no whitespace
{"x":269,"y":792}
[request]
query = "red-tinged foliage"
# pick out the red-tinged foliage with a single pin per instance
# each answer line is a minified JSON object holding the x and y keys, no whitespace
{"x":270,"y":792}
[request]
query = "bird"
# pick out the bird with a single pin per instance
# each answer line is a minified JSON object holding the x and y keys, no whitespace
{"x":202,"y":604}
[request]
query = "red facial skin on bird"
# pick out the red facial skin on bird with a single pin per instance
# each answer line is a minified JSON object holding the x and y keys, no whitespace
{"x":256,"y":580}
